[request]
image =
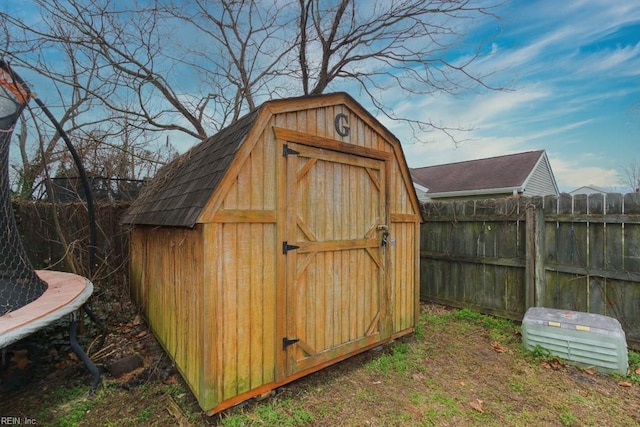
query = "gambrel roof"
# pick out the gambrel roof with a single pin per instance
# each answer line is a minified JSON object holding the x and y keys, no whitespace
{"x":528,"y":172}
{"x":181,"y":189}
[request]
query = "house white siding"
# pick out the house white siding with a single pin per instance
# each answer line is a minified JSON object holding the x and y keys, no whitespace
{"x":541,"y":181}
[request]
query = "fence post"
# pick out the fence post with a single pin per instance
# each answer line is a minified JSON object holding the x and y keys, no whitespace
{"x":530,"y":250}
{"x":540,"y":274}
{"x":534,"y":264}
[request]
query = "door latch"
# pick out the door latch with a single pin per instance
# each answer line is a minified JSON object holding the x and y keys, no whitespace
{"x":385,"y":237}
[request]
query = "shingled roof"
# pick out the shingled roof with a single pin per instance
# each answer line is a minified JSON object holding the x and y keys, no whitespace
{"x":505,"y":173}
{"x":181,"y":189}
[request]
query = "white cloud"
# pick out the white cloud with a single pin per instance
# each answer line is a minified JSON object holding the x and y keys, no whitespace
{"x":545,"y":133}
{"x":575,"y":172}
{"x":614,"y":58}
{"x":574,"y":72}
{"x":491,"y":106}
{"x":442,"y":152}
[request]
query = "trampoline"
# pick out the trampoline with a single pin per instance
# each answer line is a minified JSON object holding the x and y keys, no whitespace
{"x":65,"y":294}
{"x":30,"y":299}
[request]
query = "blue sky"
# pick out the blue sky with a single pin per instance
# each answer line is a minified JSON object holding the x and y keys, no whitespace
{"x":573,"y":68}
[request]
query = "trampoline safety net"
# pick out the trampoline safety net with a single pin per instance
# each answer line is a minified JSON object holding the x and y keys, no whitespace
{"x":19,"y":284}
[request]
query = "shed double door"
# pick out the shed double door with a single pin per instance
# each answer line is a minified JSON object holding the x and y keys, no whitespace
{"x":335,"y":258}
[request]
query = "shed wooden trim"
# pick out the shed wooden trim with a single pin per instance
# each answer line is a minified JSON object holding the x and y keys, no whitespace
{"x":399,"y":217}
{"x":273,"y":385}
{"x":284,"y":106}
{"x":331,"y":144}
{"x":210,"y":209}
{"x":289,"y":105}
{"x":338,"y":245}
{"x":335,"y":100}
{"x":252,"y":216}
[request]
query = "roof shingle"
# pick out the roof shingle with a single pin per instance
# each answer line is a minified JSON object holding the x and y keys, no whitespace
{"x":181,"y":189}
{"x":496,"y":172}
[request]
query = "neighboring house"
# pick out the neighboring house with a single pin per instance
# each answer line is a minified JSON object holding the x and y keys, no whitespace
{"x":593,"y":189}
{"x":588,"y":189}
{"x":526,"y":173}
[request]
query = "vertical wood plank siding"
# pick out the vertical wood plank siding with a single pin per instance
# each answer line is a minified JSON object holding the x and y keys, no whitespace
{"x":246,"y":284}
{"x":246,"y":289}
{"x":217,"y":295}
{"x":168,"y":266}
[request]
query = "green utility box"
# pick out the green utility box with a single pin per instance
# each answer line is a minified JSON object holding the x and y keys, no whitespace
{"x":588,"y":339}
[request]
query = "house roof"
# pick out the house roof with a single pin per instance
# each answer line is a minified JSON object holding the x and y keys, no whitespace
{"x":589,"y":189}
{"x":181,"y":189}
{"x":502,"y":174}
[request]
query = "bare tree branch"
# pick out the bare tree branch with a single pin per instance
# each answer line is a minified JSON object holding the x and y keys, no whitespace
{"x":121,"y":67}
{"x":630,"y":176}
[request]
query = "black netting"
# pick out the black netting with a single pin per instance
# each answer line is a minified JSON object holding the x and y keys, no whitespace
{"x":19,"y":284}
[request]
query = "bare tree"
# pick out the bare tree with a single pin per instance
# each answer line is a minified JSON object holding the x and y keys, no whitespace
{"x":630,"y":176}
{"x":126,"y":64}
{"x":405,"y":45}
{"x":121,"y":46}
{"x":306,"y":47}
{"x":35,"y":157}
{"x":244,"y":49}
{"x":88,"y":96}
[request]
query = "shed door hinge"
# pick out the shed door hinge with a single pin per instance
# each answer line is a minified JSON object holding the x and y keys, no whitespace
{"x":286,"y":247}
{"x":286,"y":342}
{"x":288,"y":151}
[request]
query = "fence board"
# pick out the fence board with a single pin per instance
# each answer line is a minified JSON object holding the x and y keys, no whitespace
{"x":44,"y":244}
{"x":597,"y":244}
{"x":597,"y":295}
{"x":584,"y":255}
{"x":631,"y":250}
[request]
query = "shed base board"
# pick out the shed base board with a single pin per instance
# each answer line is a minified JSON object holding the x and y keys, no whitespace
{"x":262,"y":390}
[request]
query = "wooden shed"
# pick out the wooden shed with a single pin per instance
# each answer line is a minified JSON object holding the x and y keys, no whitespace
{"x":285,"y":243}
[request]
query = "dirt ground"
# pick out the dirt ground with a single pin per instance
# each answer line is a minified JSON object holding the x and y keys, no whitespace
{"x":455,"y":370}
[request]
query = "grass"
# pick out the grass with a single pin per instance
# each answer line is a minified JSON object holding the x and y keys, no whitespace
{"x":284,"y":413}
{"x":459,"y":368}
{"x":566,"y":418}
{"x":397,"y":360}
{"x":402,"y":363}
{"x":634,"y":367}
{"x":70,"y":405}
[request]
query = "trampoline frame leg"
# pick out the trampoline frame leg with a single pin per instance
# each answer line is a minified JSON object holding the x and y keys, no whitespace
{"x":77,"y":349}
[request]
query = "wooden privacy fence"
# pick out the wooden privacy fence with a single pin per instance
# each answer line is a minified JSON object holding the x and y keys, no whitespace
{"x":501,"y":256}
{"x":56,"y":236}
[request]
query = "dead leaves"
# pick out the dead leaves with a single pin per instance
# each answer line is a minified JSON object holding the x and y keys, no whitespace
{"x":419,"y":376}
{"x":497,"y":347}
{"x":624,"y":384}
{"x":20,"y":359}
{"x":477,"y":405}
{"x":172,"y":379}
{"x":555,"y":364}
